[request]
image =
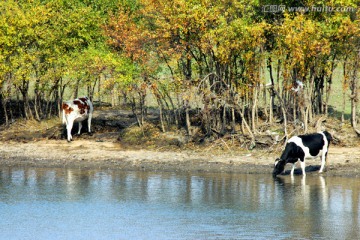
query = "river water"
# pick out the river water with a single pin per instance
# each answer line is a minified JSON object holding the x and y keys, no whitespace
{"x":37,"y":203}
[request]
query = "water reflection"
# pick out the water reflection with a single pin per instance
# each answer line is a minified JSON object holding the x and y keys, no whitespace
{"x":183,"y":206}
{"x":330,"y":206}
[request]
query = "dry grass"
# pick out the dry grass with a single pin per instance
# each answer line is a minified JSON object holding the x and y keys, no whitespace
{"x":22,"y":125}
{"x":26,"y":130}
{"x":149,"y":136}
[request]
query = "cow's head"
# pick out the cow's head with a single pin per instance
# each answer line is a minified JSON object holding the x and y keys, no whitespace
{"x":279,"y":166}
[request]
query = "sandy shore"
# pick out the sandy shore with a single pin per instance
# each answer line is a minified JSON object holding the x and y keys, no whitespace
{"x":85,"y":153}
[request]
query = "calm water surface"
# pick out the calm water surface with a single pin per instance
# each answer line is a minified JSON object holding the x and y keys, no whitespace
{"x":95,"y":204}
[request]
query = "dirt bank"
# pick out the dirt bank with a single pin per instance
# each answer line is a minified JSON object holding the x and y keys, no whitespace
{"x":117,"y":144}
{"x":87,"y":153}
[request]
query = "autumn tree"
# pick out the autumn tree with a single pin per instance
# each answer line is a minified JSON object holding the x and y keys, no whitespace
{"x":203,"y":44}
{"x":221,"y":67}
{"x":39,"y":40}
{"x":348,"y":38}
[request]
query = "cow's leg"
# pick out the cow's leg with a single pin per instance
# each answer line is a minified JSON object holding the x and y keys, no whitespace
{"x":302,"y":164}
{"x":80,"y":126}
{"x":69,"y":126}
{"x":323,"y":162}
{"x":293,"y":169}
{"x":89,"y":124}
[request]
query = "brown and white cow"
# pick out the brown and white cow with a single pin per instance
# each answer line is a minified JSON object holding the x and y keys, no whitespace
{"x":77,"y":110}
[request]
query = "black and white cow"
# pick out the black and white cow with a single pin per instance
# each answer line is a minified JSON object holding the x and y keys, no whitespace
{"x":304,"y":147}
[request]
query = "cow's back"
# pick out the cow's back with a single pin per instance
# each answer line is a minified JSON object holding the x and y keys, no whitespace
{"x":78,"y":110}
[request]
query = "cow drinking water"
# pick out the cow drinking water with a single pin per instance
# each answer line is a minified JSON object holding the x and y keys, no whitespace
{"x":303,"y":147}
{"x":77,"y":110}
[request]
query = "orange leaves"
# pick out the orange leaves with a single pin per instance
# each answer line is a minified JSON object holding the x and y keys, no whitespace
{"x":166,"y":27}
{"x":193,"y":38}
{"x":126,"y":35}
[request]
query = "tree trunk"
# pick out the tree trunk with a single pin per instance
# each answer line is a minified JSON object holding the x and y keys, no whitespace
{"x":233,"y":120}
{"x":133,"y":108}
{"x":328,"y":85}
{"x":284,"y":114}
{"x":59,"y":98}
{"x":99,"y":89}
{"x":272,"y":94}
{"x":25,"y":95}
{"x":37,"y":105}
{"x":5,"y":97}
{"x":76,"y":90}
{"x":252,"y":144}
{"x":328,"y":91}
{"x":344,"y":87}
{"x":174,"y":110}
{"x":161,"y":115}
{"x":3,"y":103}
{"x":354,"y":94}
{"x":253,"y":111}
{"x":187,"y":117}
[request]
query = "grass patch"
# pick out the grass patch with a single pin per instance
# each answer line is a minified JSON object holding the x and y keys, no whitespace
{"x":150,"y":136}
{"x":135,"y":135}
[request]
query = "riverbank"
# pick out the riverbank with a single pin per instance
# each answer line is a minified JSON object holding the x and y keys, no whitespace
{"x":92,"y":154}
{"x":117,"y":143}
